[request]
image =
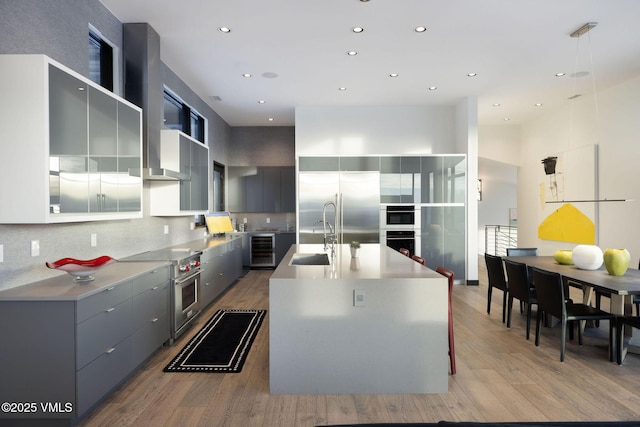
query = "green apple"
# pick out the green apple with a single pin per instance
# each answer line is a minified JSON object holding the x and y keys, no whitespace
{"x":616,"y":261}
{"x":564,"y":256}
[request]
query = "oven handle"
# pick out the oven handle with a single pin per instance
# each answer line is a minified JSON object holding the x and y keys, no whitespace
{"x":181,"y":280}
{"x":401,"y":238}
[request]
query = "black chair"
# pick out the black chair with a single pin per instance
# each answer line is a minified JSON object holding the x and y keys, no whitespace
{"x":520,"y":289}
{"x":495,"y":274}
{"x":621,"y":321}
{"x":550,"y":293}
{"x":522,"y":251}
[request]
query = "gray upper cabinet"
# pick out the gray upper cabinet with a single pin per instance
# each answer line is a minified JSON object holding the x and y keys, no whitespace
{"x":77,"y":140}
{"x":400,"y":180}
{"x":261,"y":189}
{"x":443,"y":179}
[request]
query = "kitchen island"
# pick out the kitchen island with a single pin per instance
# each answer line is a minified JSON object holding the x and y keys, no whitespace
{"x":372,"y":324}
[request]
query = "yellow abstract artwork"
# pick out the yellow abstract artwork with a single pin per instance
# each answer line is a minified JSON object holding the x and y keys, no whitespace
{"x":568,"y":224}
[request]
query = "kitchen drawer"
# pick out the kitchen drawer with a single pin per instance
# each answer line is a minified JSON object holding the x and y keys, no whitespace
{"x":103,"y":301}
{"x":150,"y":305}
{"x":102,"y":332}
{"x":103,"y":374}
{"x":150,"y":280}
{"x":149,"y":338}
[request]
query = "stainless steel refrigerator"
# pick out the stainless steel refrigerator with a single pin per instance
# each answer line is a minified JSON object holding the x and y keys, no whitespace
{"x":357,"y":196}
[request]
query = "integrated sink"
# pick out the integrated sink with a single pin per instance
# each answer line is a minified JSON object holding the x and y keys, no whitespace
{"x":310,"y":259}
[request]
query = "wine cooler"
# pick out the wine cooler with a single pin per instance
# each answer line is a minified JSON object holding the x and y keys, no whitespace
{"x":263,"y":252}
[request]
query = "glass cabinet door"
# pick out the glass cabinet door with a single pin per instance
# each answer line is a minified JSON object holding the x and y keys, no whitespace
{"x":443,"y":238}
{"x":67,"y":114}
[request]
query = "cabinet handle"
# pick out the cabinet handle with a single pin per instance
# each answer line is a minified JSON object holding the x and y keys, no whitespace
{"x":154,"y":288}
{"x":155,"y":320}
{"x":109,"y":310}
{"x":110,"y":289}
{"x":111,"y":350}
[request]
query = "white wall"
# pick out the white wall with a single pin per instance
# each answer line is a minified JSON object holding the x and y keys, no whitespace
{"x":613,"y":126}
{"x":396,"y":130}
{"x":374,"y":130}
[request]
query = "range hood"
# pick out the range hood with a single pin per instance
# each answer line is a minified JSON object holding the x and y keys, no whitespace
{"x":143,"y":86}
{"x":159,"y":174}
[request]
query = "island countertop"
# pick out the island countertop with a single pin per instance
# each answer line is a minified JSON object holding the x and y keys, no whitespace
{"x":372,"y":324}
{"x":374,"y":262}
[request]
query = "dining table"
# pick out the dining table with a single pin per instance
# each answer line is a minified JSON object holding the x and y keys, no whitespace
{"x":620,"y":289}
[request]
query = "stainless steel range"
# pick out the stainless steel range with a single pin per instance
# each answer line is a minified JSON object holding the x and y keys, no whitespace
{"x":185,"y":283}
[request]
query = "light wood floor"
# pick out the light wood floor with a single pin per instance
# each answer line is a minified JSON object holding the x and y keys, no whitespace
{"x":501,"y":377}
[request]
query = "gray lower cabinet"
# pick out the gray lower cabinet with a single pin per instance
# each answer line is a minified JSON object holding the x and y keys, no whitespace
{"x":283,"y":243}
{"x":221,"y":266}
{"x":75,"y":352}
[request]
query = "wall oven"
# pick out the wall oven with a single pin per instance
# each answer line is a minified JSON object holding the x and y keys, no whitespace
{"x":397,"y":239}
{"x":399,"y":217}
{"x":400,"y":227}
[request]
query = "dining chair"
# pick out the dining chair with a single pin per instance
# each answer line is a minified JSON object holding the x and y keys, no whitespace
{"x":550,"y":293}
{"x":621,"y":321}
{"x":520,"y":289}
{"x":522,"y":251}
{"x":405,"y":252}
{"x":419,"y":259}
{"x":452,"y":350}
{"x":496,"y":278}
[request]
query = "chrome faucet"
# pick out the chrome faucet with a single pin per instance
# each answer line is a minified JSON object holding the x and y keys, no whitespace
{"x":333,"y":232}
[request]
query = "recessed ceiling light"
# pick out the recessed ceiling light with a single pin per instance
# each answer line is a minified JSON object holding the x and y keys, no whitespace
{"x":262,"y":101}
{"x":496,"y":104}
{"x":472,"y":74}
{"x":538,"y":104}
{"x":246,"y":75}
{"x":506,"y":119}
{"x":560,"y":74}
{"x":433,"y":87}
{"x":270,"y":119}
{"x":224,"y":29}
{"x":393,"y":75}
{"x":420,"y":29}
{"x":352,"y":53}
{"x":357,"y":29}
{"x":342,"y":88}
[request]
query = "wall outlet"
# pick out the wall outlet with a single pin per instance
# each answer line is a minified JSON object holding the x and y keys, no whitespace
{"x":244,"y":220}
{"x":359,"y":299}
{"x":192,"y":225}
{"x":166,"y":229}
{"x":268,"y":220}
{"x":35,"y":248}
{"x":94,"y":240}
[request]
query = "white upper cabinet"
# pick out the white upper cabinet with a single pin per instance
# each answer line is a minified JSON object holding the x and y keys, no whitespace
{"x":67,"y":148}
{"x":189,"y":196}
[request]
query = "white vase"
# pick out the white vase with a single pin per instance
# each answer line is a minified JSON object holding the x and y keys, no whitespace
{"x":355,"y":252}
{"x":587,"y":257}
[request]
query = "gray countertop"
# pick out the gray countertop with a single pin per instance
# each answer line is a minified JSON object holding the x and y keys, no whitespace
{"x":63,"y":288}
{"x":374,"y":262}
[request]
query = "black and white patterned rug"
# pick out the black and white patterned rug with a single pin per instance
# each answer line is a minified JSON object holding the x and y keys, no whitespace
{"x":222,"y":345}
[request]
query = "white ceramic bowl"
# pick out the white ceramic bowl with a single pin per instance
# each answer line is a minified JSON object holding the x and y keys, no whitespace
{"x":587,"y":257}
